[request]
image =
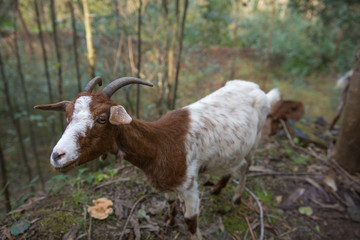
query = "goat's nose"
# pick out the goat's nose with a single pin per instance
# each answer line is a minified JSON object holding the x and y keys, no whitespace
{"x":56,"y":156}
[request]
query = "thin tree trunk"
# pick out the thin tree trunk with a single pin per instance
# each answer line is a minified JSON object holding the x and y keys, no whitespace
{"x":347,"y":151}
{"x":26,"y":30}
{"x":139,"y":61}
{"x":33,"y":142}
{"x":15,"y":122}
{"x":4,"y":181}
{"x":339,"y":37}
{"x":58,"y":57}
{"x":171,"y":52}
{"x":75,"y":47}
{"x":268,"y":47}
{"x":46,"y":67}
{"x":119,"y":39}
{"x":234,"y":43}
{"x":89,"y":40}
{"x":164,"y":81}
{"x":179,"y":54}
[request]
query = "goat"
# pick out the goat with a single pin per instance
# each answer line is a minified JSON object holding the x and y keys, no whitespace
{"x":216,"y":135}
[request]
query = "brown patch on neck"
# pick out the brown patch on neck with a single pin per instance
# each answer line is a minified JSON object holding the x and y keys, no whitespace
{"x":158,"y":148}
{"x":192,"y":223}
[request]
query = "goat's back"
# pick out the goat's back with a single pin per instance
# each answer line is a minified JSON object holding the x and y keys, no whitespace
{"x":224,"y":127}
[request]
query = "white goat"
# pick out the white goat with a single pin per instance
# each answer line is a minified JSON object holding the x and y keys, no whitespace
{"x":216,"y":135}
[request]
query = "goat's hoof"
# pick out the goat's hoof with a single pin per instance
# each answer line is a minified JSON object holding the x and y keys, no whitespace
{"x":169,"y":220}
{"x":236,"y":200}
{"x":215,"y":191}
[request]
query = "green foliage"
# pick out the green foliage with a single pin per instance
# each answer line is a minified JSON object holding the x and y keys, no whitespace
{"x":57,"y":182}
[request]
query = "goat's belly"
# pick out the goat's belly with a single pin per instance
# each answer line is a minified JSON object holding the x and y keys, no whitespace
{"x":220,"y":167}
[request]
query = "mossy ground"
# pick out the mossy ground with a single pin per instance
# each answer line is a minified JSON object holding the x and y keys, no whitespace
{"x":64,"y":208}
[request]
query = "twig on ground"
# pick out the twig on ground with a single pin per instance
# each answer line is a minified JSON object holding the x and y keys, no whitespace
{"x":89,"y":231}
{"x":130,"y":214}
{"x":111,"y":182}
{"x":261,"y":213}
{"x":280,"y":173}
{"x":66,"y":210}
{"x":249,"y":206}
{"x":330,"y":161}
{"x":249,"y":225}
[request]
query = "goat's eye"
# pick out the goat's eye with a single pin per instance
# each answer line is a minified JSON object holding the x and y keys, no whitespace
{"x":101,"y":120}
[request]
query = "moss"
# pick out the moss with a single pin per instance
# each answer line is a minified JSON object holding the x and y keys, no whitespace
{"x":57,"y":223}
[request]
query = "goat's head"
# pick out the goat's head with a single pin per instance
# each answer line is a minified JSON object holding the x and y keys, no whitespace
{"x":92,"y":118}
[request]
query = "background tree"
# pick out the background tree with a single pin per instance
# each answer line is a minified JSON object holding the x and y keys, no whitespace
{"x":15,"y":122}
{"x":4,"y":181}
{"x":89,"y":39}
{"x":181,"y":38}
{"x":139,"y":60}
{"x":347,"y":146}
{"x":45,"y":60}
{"x":75,"y":46}
{"x":33,"y":142}
{"x":58,"y":57}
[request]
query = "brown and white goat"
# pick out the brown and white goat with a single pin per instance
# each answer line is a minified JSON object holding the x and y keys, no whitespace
{"x":216,"y":135}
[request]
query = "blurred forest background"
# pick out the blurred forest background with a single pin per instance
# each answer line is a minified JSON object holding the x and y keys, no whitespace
{"x":50,"y":49}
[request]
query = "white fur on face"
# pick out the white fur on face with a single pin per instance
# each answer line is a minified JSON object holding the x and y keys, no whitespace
{"x":81,"y":120}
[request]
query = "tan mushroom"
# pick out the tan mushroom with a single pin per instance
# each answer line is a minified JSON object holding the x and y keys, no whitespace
{"x":101,"y":208}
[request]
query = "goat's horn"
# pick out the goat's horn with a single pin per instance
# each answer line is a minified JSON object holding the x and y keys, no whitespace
{"x":92,"y":83}
{"x":121,"y":82}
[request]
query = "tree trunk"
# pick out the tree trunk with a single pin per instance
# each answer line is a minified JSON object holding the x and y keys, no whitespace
{"x":139,"y":61}
{"x":181,"y":39}
{"x":164,"y":81}
{"x":58,"y":58}
{"x":26,"y":30}
{"x":171,"y":79}
{"x":4,"y":181}
{"x":347,"y":150}
{"x":75,"y":47}
{"x":15,"y":122}
{"x":46,"y":67}
{"x":268,"y":47}
{"x":89,"y":40}
{"x":33,"y":142}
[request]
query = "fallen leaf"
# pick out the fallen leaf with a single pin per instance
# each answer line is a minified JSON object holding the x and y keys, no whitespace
{"x":305,"y":210}
{"x":354,"y":213}
{"x":221,"y":225}
{"x":19,"y":227}
{"x":279,"y":199}
{"x":156,"y":207}
{"x":150,"y":227}
{"x":101,"y":209}
{"x":293,"y":197}
{"x":136,"y":227}
{"x":141,"y":213}
{"x":71,"y":235}
{"x":330,"y":182}
{"x":6,"y":232}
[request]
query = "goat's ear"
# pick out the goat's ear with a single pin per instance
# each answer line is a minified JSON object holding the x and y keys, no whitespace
{"x":118,"y":115}
{"x":60,"y":106}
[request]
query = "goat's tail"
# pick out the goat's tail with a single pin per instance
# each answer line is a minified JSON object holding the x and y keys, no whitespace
{"x":273,"y":96}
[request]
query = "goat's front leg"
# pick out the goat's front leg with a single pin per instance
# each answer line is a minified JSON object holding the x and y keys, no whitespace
{"x":192,"y":203}
{"x":171,"y":214}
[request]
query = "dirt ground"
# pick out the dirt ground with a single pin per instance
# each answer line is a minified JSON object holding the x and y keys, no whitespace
{"x":302,"y":193}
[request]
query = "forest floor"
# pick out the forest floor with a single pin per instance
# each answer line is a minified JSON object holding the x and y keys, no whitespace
{"x":303,"y":195}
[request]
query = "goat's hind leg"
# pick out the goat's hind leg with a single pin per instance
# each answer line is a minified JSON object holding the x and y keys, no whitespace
{"x":240,"y":188}
{"x":172,"y":211}
{"x":221,"y":184}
